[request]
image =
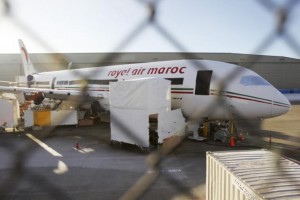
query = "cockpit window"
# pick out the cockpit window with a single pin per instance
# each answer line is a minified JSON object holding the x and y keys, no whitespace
{"x":253,"y":80}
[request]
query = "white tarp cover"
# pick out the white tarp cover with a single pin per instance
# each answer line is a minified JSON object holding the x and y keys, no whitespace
{"x":130,"y":126}
{"x":170,"y":123}
{"x":131,"y":103}
{"x":151,"y":94}
{"x":28,"y":118}
{"x":9,"y":112}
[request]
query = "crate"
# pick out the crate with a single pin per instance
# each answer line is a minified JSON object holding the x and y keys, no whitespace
{"x":251,"y":174}
{"x":85,"y":122}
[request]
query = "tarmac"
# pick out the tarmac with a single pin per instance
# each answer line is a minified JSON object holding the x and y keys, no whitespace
{"x":80,"y":162}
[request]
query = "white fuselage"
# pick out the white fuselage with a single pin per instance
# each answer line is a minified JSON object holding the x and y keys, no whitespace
{"x":202,"y":89}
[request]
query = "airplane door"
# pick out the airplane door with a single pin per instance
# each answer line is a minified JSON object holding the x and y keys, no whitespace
{"x":203,"y":82}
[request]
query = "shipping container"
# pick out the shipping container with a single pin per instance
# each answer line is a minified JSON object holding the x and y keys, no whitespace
{"x":251,"y":174}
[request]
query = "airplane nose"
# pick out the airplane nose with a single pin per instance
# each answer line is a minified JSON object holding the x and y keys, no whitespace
{"x":281,"y":104}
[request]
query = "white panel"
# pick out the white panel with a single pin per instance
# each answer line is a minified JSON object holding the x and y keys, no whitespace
{"x":131,"y":103}
{"x":170,"y":123}
{"x":129,"y":94}
{"x":151,"y":94}
{"x":130,"y":126}
{"x":9,"y":111}
{"x":28,"y":118}
{"x":64,"y":117}
{"x":159,"y":96}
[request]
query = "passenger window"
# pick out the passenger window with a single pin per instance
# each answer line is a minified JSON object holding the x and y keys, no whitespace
{"x":203,"y":82}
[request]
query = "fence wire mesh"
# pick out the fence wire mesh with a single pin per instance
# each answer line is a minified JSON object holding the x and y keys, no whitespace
{"x":19,"y":172}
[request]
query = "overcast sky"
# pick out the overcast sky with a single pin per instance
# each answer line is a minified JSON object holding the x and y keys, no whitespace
{"x":231,"y":26}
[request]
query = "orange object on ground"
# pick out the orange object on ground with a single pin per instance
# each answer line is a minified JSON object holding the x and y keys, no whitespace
{"x":232,"y":142}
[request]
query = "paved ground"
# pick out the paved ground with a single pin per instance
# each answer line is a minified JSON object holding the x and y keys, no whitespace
{"x":34,"y":167}
{"x":284,"y":132}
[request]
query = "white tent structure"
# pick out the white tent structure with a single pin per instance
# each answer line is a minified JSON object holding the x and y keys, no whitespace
{"x":131,"y":104}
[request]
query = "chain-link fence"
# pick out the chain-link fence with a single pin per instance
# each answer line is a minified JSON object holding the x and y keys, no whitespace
{"x":18,"y":170}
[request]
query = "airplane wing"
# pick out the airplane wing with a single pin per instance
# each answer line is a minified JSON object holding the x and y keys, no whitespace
{"x":51,"y":93}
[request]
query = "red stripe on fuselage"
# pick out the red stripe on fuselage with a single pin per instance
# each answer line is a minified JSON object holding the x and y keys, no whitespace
{"x":243,"y":98}
{"x":181,"y":92}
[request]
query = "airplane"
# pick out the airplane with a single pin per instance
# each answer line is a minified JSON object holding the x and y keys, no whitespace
{"x":202,"y":89}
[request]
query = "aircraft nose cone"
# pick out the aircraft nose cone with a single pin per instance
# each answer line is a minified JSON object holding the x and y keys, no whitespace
{"x":281,"y":104}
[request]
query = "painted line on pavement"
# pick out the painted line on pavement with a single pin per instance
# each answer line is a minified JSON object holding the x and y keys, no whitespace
{"x":44,"y":146}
